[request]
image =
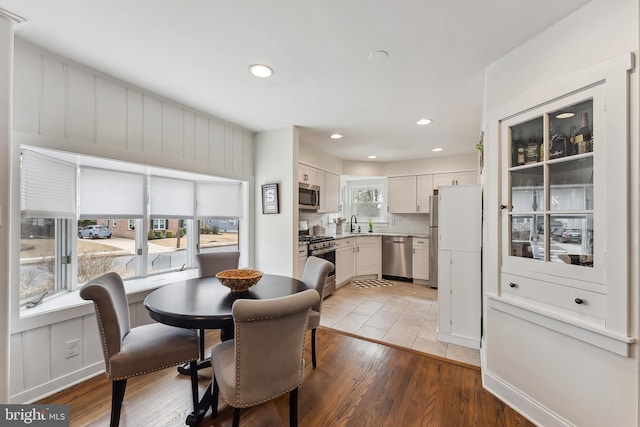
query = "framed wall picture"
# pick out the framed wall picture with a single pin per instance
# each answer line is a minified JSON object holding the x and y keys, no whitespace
{"x":270,"y":199}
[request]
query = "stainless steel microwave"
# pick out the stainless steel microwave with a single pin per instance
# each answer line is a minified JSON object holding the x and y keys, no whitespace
{"x":308,"y":196}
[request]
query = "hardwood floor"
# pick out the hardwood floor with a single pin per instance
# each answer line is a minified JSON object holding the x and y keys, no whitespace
{"x":357,"y":383}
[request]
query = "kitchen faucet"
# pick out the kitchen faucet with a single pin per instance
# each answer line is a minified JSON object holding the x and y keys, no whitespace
{"x":353,"y":219}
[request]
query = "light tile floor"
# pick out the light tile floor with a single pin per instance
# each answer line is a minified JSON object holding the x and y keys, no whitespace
{"x":405,"y":314}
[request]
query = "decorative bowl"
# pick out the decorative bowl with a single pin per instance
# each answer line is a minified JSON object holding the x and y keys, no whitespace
{"x":239,"y":280}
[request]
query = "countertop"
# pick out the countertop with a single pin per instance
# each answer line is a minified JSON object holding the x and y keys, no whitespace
{"x":348,"y":234}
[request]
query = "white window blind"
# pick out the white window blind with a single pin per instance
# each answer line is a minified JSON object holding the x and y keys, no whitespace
{"x":172,"y":198}
{"x":218,"y":199}
{"x":47,"y":187}
{"x":111,"y":194}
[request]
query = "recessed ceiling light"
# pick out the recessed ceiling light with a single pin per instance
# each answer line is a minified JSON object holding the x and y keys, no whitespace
{"x":336,"y":136}
{"x":436,"y":149}
{"x":423,"y":122}
{"x":261,"y":70}
{"x":565,"y":115}
{"x":378,"y":56}
{"x":371,"y":157}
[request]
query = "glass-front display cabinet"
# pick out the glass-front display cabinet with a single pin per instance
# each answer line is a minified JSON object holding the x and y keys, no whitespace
{"x":551,"y":185}
{"x":564,"y":206}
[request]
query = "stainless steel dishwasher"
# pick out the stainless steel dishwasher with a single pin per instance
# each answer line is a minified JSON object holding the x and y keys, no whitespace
{"x":397,"y":257}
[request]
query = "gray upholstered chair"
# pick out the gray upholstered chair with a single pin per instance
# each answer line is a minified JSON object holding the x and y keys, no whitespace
{"x":210,"y":264}
{"x":265,"y":359}
{"x":314,"y":276}
{"x":129,"y":352}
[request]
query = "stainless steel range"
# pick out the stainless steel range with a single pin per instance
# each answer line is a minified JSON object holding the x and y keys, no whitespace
{"x":323,"y":247}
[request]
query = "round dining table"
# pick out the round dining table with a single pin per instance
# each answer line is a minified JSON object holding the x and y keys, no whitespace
{"x":204,"y":303}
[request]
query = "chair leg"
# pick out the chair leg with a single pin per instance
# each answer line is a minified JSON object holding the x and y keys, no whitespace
{"x":117,"y":396}
{"x":214,"y":397}
{"x":201,"y":332}
{"x":293,"y":407}
{"x":193,"y":368}
{"x":236,"y":417}
{"x":313,"y":348}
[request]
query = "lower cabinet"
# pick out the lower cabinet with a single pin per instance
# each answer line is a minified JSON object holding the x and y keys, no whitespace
{"x":459,"y":297}
{"x":345,"y":260}
{"x":368,"y":256}
{"x":302,"y":260}
{"x":420,"y":259}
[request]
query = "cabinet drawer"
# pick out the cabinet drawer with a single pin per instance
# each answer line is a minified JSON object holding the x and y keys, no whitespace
{"x":302,"y":250}
{"x":552,"y":296}
{"x":346,"y":242}
{"x":422,"y":241}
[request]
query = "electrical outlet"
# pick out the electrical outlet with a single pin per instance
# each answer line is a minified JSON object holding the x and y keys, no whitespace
{"x":73,"y":348}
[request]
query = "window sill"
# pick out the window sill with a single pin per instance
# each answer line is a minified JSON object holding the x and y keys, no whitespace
{"x":69,"y":305}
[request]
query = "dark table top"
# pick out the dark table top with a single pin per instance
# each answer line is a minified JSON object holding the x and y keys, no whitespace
{"x":204,"y":303}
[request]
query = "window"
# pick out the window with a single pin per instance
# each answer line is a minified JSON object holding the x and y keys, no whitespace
{"x":159,"y":224}
{"x":367,"y":200}
{"x":73,"y":223}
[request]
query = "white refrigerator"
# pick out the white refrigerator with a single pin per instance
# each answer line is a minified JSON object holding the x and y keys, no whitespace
{"x":459,"y":264}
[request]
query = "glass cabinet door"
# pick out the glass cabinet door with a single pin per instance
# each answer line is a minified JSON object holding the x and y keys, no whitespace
{"x":550,"y":184}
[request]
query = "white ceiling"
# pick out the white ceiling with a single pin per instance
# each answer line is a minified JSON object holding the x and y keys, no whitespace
{"x":198,"y":52}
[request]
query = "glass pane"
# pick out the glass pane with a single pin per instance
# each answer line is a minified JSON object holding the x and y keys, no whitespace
{"x":103,"y":247}
{"x":166,"y":245}
{"x":526,"y":240}
{"x":571,"y":130}
{"x":527,"y":142}
{"x":571,"y":185}
{"x":219,"y":235}
{"x":37,"y":257}
{"x":572,"y":239}
{"x":527,"y":190}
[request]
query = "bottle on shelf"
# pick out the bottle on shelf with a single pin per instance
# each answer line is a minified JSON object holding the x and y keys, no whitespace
{"x":532,"y":151}
{"x":517,"y":147}
{"x":583,"y":135}
{"x":559,"y":146}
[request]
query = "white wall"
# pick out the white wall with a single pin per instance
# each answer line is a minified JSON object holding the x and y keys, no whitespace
{"x":276,"y":153}
{"x":62,"y":105}
{"x":550,"y":377}
{"x":438,"y":164}
{"x":6,"y":70}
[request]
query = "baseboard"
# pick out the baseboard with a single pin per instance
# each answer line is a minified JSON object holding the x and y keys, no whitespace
{"x":525,"y":405}
{"x":58,"y":384}
{"x":458,"y":340}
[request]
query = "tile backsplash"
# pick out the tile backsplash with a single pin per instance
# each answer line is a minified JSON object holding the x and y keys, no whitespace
{"x":397,"y":223}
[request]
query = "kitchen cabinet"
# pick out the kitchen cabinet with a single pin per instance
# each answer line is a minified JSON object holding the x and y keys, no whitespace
{"x":424,"y":190}
{"x":345,"y":260}
{"x":329,"y":183}
{"x":368,"y":256}
{"x":307,"y":174}
{"x":409,"y":194}
{"x":420,"y":260}
{"x":565,"y":197}
{"x":455,"y":178}
{"x":459,"y":272}
{"x":459,"y":297}
{"x":301,"y":260}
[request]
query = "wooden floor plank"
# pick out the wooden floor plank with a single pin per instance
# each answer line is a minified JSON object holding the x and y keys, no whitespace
{"x":357,"y":383}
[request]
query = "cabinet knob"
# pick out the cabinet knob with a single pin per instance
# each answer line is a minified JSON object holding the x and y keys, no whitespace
{"x":503,"y":207}
{"x":513,"y":285}
{"x":579,"y":301}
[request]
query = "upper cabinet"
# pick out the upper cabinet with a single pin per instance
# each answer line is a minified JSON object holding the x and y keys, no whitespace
{"x":329,"y":184}
{"x":455,"y":178}
{"x":307,"y":174}
{"x":329,"y":191}
{"x":409,"y":194}
{"x":564,"y":212}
